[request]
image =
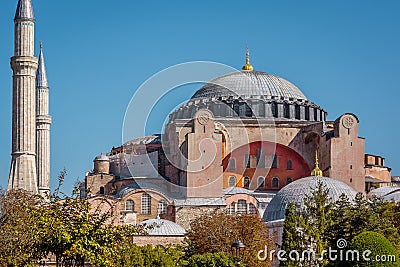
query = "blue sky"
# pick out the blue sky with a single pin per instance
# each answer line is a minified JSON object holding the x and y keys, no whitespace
{"x":344,"y":56}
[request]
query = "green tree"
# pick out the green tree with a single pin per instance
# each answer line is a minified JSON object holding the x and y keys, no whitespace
{"x":18,"y":229}
{"x":316,"y":220}
{"x":359,"y":215}
{"x":74,"y":232}
{"x":291,"y":238}
{"x":131,"y":255}
{"x":212,"y":260}
{"x":379,"y":246}
{"x":215,"y":232}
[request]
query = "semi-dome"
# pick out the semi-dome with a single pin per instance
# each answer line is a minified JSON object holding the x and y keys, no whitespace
{"x":160,"y":227}
{"x":296,"y":193}
{"x":249,"y":84}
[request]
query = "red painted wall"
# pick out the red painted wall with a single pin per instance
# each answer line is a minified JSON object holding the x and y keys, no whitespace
{"x":299,"y":169}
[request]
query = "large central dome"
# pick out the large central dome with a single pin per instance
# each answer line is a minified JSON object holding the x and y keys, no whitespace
{"x":250,"y":83}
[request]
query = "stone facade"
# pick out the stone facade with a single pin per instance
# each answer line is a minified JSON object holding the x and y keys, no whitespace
{"x":375,"y":168}
{"x":342,"y":152}
{"x":186,"y":214}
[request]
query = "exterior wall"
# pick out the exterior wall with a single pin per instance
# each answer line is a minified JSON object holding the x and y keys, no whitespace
{"x":238,"y":133}
{"x":93,"y":183}
{"x":379,"y":172}
{"x":283,"y":154}
{"x":103,"y":205}
{"x":136,"y":197}
{"x":186,"y":214}
{"x":203,"y":176}
{"x":345,"y":152}
{"x":275,"y":229}
{"x":101,"y":166}
{"x":375,"y":167}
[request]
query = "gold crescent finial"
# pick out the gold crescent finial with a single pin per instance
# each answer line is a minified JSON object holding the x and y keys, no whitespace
{"x":317,"y":171}
{"x":247,"y":66}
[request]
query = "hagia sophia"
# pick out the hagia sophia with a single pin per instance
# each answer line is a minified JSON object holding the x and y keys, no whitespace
{"x":246,"y":142}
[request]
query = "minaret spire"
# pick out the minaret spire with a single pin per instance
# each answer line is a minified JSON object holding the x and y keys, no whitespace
{"x":247,"y":66}
{"x":317,"y":171}
{"x":23,"y":173}
{"x":24,"y":10}
{"x":43,"y":122}
{"x":41,"y":76}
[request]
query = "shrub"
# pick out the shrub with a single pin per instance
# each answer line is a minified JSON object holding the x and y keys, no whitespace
{"x":379,"y":247}
{"x":211,"y":260}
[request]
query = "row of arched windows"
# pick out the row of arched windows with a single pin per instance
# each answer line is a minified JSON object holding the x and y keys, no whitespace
{"x":146,"y":205}
{"x":242,"y":207}
{"x":232,"y":181}
{"x":260,"y":162}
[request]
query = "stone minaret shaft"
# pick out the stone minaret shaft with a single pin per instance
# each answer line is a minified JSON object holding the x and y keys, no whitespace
{"x":24,"y":65}
{"x":43,"y":121}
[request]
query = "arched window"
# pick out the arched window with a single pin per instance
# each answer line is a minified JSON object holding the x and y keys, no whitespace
{"x":297,"y":112}
{"x":246,"y":162}
{"x":248,"y":111}
{"x":252,"y":209}
{"x":275,"y":182}
{"x":231,"y":208}
{"x":130,"y":205}
{"x":288,"y":181}
{"x":101,"y":190}
{"x":232,"y":181}
{"x":286,"y":111}
{"x":307,"y":109}
{"x":274,"y":161}
{"x":274,"y":109}
{"x":236,"y":108}
{"x":242,"y":206}
{"x":162,"y":207}
{"x":146,"y":204}
{"x":260,"y":158}
{"x":246,"y":182}
{"x":289,"y":165}
{"x":261,"y":181}
{"x":232,"y":164}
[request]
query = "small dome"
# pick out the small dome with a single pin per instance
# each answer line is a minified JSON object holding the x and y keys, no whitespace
{"x":102,"y":158}
{"x":394,"y":196}
{"x":383,"y":191}
{"x":296,"y":192}
{"x":249,"y":83}
{"x":160,"y":227}
{"x":236,"y":190}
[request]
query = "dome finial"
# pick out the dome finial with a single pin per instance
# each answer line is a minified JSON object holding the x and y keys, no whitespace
{"x":317,"y":171}
{"x":247,"y":66}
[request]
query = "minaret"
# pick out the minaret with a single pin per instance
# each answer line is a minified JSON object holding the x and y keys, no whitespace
{"x":24,"y":65}
{"x":43,"y":121}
